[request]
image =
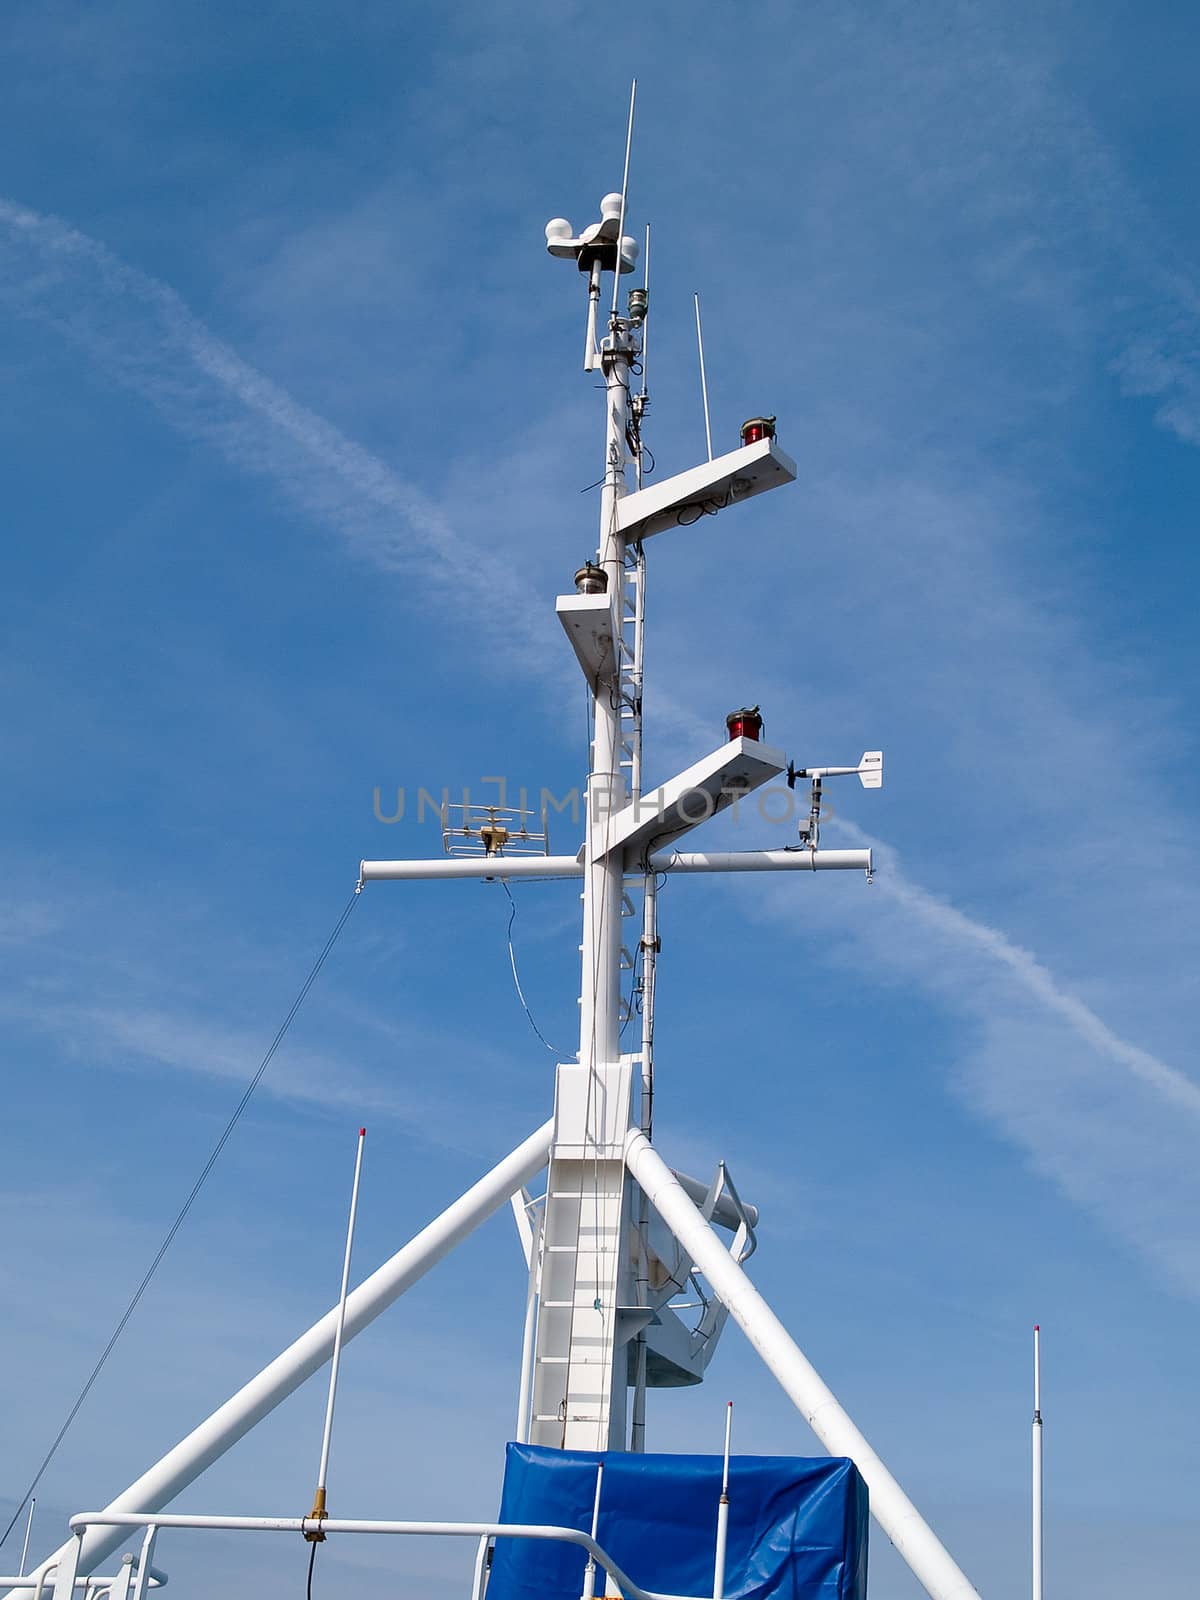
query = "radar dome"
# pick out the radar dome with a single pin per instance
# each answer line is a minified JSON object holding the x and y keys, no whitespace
{"x":558,"y":228}
{"x":610,"y":206}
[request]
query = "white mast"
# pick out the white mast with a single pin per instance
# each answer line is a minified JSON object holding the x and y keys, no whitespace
{"x":1037,"y":1462}
{"x":621,"y":1233}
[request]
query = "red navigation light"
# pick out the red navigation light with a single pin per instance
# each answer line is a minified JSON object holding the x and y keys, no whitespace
{"x":758,"y":428}
{"x":745,"y":724}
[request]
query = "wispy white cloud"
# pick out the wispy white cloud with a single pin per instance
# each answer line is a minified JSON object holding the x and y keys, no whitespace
{"x":1112,"y":1125}
{"x":972,"y":935}
{"x":145,"y":337}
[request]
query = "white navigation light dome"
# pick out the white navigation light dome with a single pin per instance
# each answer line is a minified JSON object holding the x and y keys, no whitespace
{"x":629,"y":250}
{"x":557,"y":228}
{"x":610,"y":207}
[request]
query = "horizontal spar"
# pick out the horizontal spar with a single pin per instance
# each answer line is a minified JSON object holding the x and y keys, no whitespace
{"x":660,"y":861}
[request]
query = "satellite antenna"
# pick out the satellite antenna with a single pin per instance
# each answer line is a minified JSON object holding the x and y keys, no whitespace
{"x":703,"y":380}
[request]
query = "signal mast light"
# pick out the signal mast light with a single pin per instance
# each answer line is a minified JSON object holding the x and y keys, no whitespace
{"x":758,"y":428}
{"x":591,"y":579}
{"x":745,"y":724}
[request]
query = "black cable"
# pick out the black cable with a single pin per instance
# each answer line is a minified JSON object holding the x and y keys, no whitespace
{"x":512,"y":961}
{"x":183,"y":1210}
{"x":312,"y":1557}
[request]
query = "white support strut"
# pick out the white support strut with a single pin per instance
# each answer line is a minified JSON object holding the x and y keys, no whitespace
{"x":926,"y":1556}
{"x":660,"y":861}
{"x":206,"y":1443}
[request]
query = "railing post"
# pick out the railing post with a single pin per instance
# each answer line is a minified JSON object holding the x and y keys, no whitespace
{"x":479,"y":1580}
{"x":142,"y":1580}
{"x":68,"y":1568}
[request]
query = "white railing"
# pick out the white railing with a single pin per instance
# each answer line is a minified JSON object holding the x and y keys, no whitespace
{"x":118,"y":1586}
{"x":66,"y":1579}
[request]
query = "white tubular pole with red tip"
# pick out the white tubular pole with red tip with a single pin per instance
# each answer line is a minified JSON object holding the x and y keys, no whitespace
{"x":1037,"y":1462}
{"x":318,"y":1509}
{"x":589,"y":1571}
{"x":723,"y":1513}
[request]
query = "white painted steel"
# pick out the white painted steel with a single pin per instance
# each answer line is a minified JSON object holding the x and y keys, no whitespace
{"x":718,"y":781}
{"x":579,"y":1382}
{"x":157,"y":1580}
{"x":680,"y":501}
{"x":479,"y":1574}
{"x":725,"y":1211}
{"x":28,"y":1529}
{"x":703,"y":378}
{"x":589,"y":1571}
{"x":660,"y":861}
{"x":1037,"y":1463}
{"x":532,"y":1236}
{"x":624,"y":198}
{"x":299,"y":1361}
{"x":762,"y":861}
{"x":472,"y":867}
{"x":913,"y":1538}
{"x":433,"y":1530}
{"x":723,"y":1513}
{"x":340,"y":1327}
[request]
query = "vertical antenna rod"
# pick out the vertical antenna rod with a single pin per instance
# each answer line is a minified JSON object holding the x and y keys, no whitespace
{"x":703,"y":379}
{"x":25,"y":1546}
{"x":723,"y":1513}
{"x":1037,"y":1462}
{"x":318,"y":1510}
{"x":646,"y":283}
{"x":589,"y":1572}
{"x":624,"y":194}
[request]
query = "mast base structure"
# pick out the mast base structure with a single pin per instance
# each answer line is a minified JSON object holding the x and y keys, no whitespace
{"x":617,"y":1236}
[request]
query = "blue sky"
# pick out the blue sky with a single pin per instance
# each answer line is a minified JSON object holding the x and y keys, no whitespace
{"x":294,"y":440}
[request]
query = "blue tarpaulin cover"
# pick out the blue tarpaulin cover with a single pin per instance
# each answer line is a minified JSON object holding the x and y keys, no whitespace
{"x":797,"y":1528}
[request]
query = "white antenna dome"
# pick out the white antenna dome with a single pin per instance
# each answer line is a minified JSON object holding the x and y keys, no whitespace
{"x":629,"y":250}
{"x":557,"y":228}
{"x":610,"y":207}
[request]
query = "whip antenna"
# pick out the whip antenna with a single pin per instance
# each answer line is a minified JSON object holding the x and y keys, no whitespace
{"x":646,"y":281}
{"x":315,"y":1536}
{"x":723,"y":1513}
{"x":1037,"y":1462}
{"x":624,"y":194}
{"x":28,"y":1530}
{"x":703,"y":379}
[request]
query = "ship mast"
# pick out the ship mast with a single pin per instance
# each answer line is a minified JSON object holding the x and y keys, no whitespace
{"x":587,"y":1312}
{"x":618,"y":1233}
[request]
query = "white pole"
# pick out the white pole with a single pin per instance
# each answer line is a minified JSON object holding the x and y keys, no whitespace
{"x":589,"y":1571}
{"x":624,"y":196}
{"x":646,"y":284}
{"x":604,"y":869}
{"x":525,"y":1384}
{"x":723,"y":1514}
{"x":660,"y":861}
{"x":205,"y":1444}
{"x":318,"y":1509}
{"x":590,"y":352}
{"x":914,"y":1539}
{"x":703,"y":379}
{"x":28,"y":1526}
{"x":1037,"y":1462}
